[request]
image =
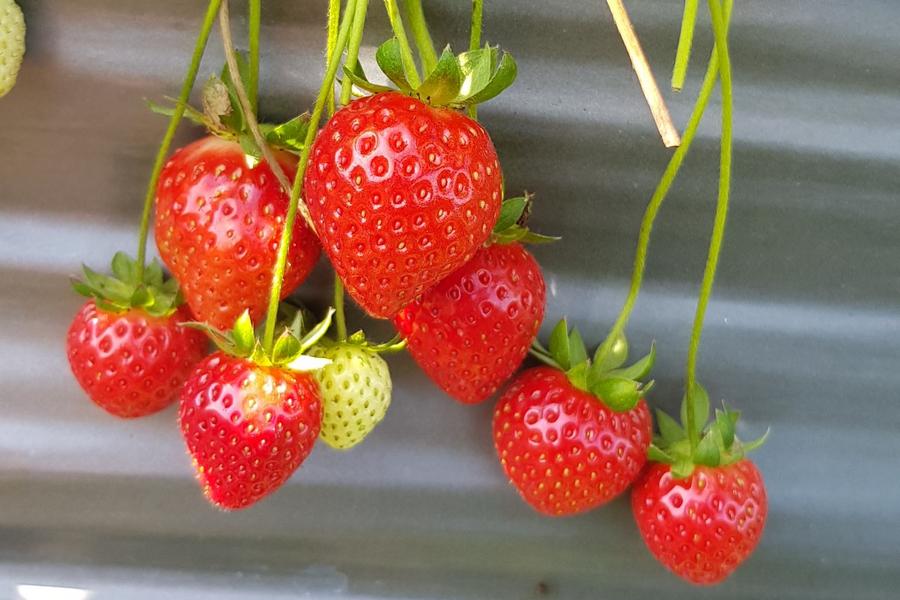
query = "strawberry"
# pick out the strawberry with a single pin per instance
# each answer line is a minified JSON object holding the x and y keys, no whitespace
{"x":703,"y":526}
{"x":356,"y":390}
{"x":126,"y":346}
{"x":472,"y":330}
{"x":573,"y":436}
{"x":701,"y":505}
{"x":250,"y":418}
{"x":219,"y":216}
{"x":12,"y":44}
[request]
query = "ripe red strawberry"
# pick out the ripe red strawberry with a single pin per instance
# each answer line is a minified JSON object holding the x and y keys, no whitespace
{"x":219,"y":218}
{"x":470,"y":332}
{"x":402,"y":194}
{"x":704,"y":526}
{"x":250,"y":417}
{"x":562,"y":447}
{"x":126,"y":346}
{"x":132,"y":364}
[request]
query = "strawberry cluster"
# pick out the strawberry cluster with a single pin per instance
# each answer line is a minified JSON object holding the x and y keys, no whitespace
{"x":404,"y":193}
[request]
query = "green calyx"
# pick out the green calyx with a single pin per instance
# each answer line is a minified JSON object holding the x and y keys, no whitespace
{"x":223,"y":116}
{"x":392,"y":346}
{"x":457,"y":80}
{"x":512,"y":226}
{"x":718,"y":444}
{"x":620,"y":388}
{"x":289,"y":350}
{"x":122,"y":291}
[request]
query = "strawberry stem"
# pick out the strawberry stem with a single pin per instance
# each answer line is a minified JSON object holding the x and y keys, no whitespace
{"x":254,"y":16}
{"x":475,"y":40}
{"x":421,"y":35}
{"x":340,"y":321}
{"x":183,"y":96}
{"x":718,"y":233}
{"x":290,"y":218}
{"x":659,"y":196}
{"x":334,"y":18}
{"x":409,"y":64}
{"x":685,"y":40}
{"x":356,"y":34}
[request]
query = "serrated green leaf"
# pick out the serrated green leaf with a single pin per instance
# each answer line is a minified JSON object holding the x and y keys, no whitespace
{"x":613,"y":357}
{"x":559,"y":344}
{"x":287,"y":348}
{"x":316,"y":333}
{"x":638,"y":370}
{"x":442,"y":84}
{"x":291,"y":134}
{"x":669,"y":428}
{"x":510,"y":212}
{"x":243,"y":335}
{"x":123,"y":267}
{"x":655,"y":454}
{"x":390,"y":62}
{"x":577,"y":350}
{"x":619,"y":394}
{"x":707,"y":452}
{"x":477,"y":68}
{"x":725,"y":427}
{"x":502,"y":78}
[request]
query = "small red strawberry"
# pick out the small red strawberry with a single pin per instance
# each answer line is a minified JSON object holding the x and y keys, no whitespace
{"x":250,"y":418}
{"x":126,"y":346}
{"x":573,"y":436}
{"x":703,"y":526}
{"x":701,"y":505}
{"x":219,"y":217}
{"x":471,"y":331}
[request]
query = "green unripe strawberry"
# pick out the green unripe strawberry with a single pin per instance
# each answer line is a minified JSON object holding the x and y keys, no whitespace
{"x":12,"y":44}
{"x":356,"y":392}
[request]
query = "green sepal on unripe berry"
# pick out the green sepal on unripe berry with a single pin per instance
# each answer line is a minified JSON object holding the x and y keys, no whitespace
{"x":121,"y":292}
{"x":619,"y":388}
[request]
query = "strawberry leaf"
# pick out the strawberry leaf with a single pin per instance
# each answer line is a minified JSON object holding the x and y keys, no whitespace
{"x":510,"y":211}
{"x":287,"y":348}
{"x":725,"y":426}
{"x":291,"y":134}
{"x":123,"y":267}
{"x":443,"y":83}
{"x":707,"y":452}
{"x":638,"y":370}
{"x":577,"y":351}
{"x":612,"y":356}
{"x":559,"y":344}
{"x":243,"y":336}
{"x":669,"y":428}
{"x":619,"y":394}
{"x":477,"y":67}
{"x":390,"y":62}
{"x":359,"y":79}
{"x":503,"y":77}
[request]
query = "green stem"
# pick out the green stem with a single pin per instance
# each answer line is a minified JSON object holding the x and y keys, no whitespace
{"x":356,"y":35}
{"x":318,"y":109}
{"x":334,"y":17}
{"x":421,"y":35}
{"x":718,"y":233}
{"x":475,"y":40}
{"x":406,"y":55}
{"x":659,"y":195}
{"x":255,"y":11}
{"x":186,"y":87}
{"x":685,"y":40}
{"x":340,"y":320}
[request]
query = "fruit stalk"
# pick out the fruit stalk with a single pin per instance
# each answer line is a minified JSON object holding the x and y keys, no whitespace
{"x":685,"y":40}
{"x":254,"y":17}
{"x":718,"y":233}
{"x":421,"y":35}
{"x":662,"y":190}
{"x":186,"y":87}
{"x":475,"y":40}
{"x":334,"y":19}
{"x":356,"y":34}
{"x":409,"y":64}
{"x":318,"y":109}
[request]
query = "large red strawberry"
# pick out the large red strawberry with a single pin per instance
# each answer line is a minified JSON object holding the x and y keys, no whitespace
{"x":126,"y":346}
{"x":472,"y":330}
{"x":219,"y":217}
{"x":701,"y":506}
{"x":570,"y":437}
{"x":402,"y":193}
{"x":250,"y":417}
{"x":705,"y":525}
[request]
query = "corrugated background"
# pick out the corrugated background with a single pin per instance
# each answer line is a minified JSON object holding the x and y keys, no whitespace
{"x":803,"y":330}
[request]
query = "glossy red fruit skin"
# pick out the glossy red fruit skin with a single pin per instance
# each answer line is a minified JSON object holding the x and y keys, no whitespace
{"x":563,"y":450}
{"x":471,"y":331}
{"x":401,"y":194}
{"x":702,"y":527}
{"x":247,"y":427}
{"x":131,"y":364}
{"x":218,"y":225}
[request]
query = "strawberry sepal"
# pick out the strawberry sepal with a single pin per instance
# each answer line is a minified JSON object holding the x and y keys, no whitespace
{"x":121,"y":291}
{"x":512,"y":224}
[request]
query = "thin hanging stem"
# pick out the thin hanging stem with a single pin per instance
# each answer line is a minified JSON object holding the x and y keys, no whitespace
{"x":406,"y":55}
{"x":356,"y":34}
{"x":334,"y":18}
{"x":254,"y":18}
{"x":318,"y":109}
{"x":419,"y":25}
{"x":685,"y":40}
{"x":659,"y":195}
{"x":475,"y":40}
{"x":718,"y":232}
{"x":340,"y":320}
{"x":183,"y":96}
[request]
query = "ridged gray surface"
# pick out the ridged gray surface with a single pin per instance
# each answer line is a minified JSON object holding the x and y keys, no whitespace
{"x":802,"y":335}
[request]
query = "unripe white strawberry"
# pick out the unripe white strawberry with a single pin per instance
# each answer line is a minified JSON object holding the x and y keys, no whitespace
{"x":356,"y":392}
{"x":12,"y":44}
